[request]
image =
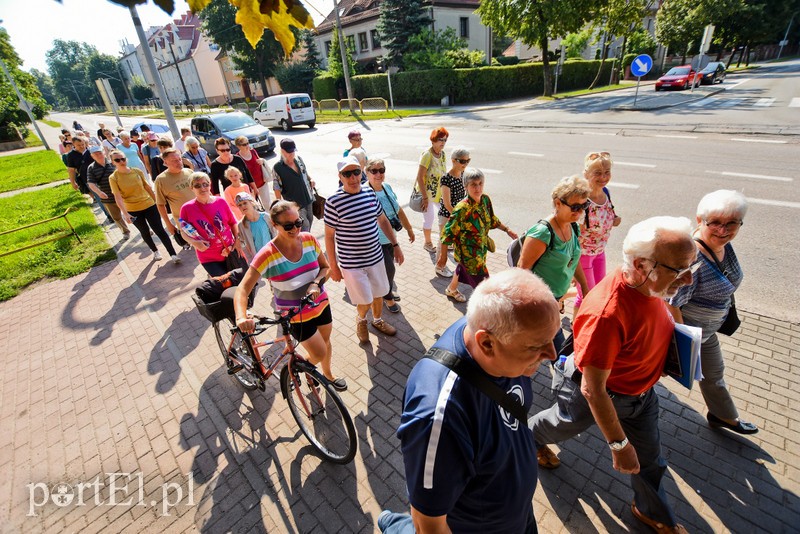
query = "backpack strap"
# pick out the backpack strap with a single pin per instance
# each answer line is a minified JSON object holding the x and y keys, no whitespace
{"x":470,"y":372}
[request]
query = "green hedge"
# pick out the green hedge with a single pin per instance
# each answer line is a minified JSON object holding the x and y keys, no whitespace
{"x":466,"y":85}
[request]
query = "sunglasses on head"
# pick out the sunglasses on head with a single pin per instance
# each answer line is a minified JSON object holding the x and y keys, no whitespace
{"x":223,"y":150}
{"x":382,"y":170}
{"x":575,"y":207}
{"x":116,"y":160}
{"x":296,"y":224}
{"x":463,"y":161}
{"x":598,"y":155}
{"x":348,"y":174}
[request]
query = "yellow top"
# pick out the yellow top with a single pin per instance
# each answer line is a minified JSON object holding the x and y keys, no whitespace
{"x":130,"y":187}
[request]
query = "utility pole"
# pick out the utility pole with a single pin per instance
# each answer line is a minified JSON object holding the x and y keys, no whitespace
{"x":124,"y":84}
{"x":80,"y":103}
{"x":178,"y":68}
{"x":786,"y":36}
{"x":151,"y":64}
{"x":23,"y":104}
{"x":345,"y":63}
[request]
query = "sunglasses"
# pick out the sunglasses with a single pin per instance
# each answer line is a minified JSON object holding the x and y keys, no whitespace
{"x":355,"y":138}
{"x":296,"y":224}
{"x":441,"y":139}
{"x":463,"y":161}
{"x":348,"y":174}
{"x":382,"y":170}
{"x":575,"y":207}
{"x":117,"y":160}
{"x":204,"y":185}
{"x":678,"y":272}
{"x":223,"y":150}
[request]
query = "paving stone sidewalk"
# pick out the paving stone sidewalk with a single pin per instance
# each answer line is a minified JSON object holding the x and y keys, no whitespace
{"x":114,"y":371}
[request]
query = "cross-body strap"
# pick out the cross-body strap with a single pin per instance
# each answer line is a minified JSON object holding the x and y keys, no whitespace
{"x":719,"y":265}
{"x":469,"y":372}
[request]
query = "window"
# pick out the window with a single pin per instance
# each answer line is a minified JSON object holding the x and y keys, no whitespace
{"x":362,"y":41}
{"x":376,"y":39}
{"x":327,"y":48}
{"x":351,"y":42}
{"x":464,"y":27}
{"x":235,"y":85}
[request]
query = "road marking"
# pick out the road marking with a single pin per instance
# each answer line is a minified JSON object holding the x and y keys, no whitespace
{"x":599,"y":133}
{"x":757,"y":176}
{"x":678,"y":136}
{"x":795,"y":103}
{"x":700,"y":103}
{"x":730,"y":103}
{"x":631,"y":164}
{"x":737,"y":84}
{"x":518,"y":114}
{"x":764,"y":102}
{"x":623,"y":185}
{"x":381,"y":155}
{"x":773,"y":141}
{"x":766,"y":202}
{"x":531,"y":154}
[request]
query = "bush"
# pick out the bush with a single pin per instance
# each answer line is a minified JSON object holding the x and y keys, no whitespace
{"x":141,"y":92}
{"x":507,"y":60}
{"x":325,"y":87}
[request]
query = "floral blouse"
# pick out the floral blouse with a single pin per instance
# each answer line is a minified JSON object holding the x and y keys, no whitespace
{"x":599,"y":221}
{"x":437,"y":167}
{"x":468,"y":232}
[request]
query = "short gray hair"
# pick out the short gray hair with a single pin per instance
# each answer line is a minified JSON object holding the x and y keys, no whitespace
{"x":471,"y":174}
{"x":643,"y":237}
{"x":501,"y":303}
{"x":191,"y":141}
{"x":459,"y":152}
{"x":723,"y":202}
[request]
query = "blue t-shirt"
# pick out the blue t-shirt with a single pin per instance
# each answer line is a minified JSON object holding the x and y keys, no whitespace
{"x":464,"y":455}
{"x":391,"y":208}
{"x":260,"y":231}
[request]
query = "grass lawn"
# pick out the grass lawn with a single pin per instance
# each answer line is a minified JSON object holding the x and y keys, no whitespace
{"x":32,"y":139}
{"x":54,"y":124}
{"x":59,"y":259}
{"x":33,"y":168}
{"x":579,"y":92}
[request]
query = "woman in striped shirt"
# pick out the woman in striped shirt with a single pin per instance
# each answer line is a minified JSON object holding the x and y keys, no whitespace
{"x":294,"y":264}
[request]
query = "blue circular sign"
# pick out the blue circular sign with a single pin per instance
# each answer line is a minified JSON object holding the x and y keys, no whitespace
{"x":641,"y":65}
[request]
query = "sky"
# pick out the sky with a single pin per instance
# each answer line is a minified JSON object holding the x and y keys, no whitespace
{"x":34,"y":24}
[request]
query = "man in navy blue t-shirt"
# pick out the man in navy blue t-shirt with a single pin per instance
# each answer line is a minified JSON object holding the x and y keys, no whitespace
{"x":470,"y":465}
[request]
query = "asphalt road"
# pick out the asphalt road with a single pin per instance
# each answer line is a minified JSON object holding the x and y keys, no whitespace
{"x":667,"y":154}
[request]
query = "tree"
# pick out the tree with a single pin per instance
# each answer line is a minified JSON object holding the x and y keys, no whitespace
{"x":312,"y":57}
{"x":618,"y":18}
{"x":576,"y":43}
{"x":398,"y":22}
{"x":440,"y":50}
{"x":534,"y":22}
{"x":677,"y":25}
{"x":105,"y":66}
{"x":45,"y":85}
{"x":298,"y":76}
{"x":335,"y":68}
{"x":256,"y":63}
{"x":67,"y":62}
{"x":141,"y":92}
{"x":12,"y":118}
{"x":500,"y":43}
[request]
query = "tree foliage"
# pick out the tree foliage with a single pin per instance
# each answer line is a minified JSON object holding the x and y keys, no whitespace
{"x":576,"y":43}
{"x":641,"y":42}
{"x":11,"y":116}
{"x":141,"y":92}
{"x":398,"y":22}
{"x":105,"y":66}
{"x":534,"y":22}
{"x":618,"y":18}
{"x":298,"y":76}
{"x":67,"y":63}
{"x":440,"y":50}
{"x":45,"y":85}
{"x":335,"y":68}
{"x":677,"y":25}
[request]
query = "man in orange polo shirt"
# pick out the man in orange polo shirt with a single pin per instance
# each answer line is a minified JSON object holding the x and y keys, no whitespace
{"x":622,"y":332}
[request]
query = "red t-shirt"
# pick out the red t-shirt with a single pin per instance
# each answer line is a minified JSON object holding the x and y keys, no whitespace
{"x":620,"y":329}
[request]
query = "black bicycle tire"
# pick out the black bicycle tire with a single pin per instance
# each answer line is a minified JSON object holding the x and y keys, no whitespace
{"x":225,"y":325}
{"x":300,"y":417}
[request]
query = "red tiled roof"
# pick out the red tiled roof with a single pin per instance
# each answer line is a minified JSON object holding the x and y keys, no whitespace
{"x":352,"y":11}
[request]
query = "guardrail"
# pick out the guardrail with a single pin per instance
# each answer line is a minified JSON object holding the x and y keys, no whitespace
{"x":363,"y":105}
{"x":60,"y":235}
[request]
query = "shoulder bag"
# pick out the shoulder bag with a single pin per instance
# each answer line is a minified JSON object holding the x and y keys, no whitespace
{"x":732,"y":321}
{"x":415,"y":202}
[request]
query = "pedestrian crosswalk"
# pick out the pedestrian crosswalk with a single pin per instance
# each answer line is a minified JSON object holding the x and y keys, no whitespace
{"x":743,"y":102}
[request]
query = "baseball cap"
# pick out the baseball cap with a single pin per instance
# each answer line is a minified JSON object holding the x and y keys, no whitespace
{"x":354,"y":133}
{"x":152,"y":136}
{"x":347,"y":162}
{"x":241,"y":197}
{"x":95,"y":148}
{"x":288,"y":145}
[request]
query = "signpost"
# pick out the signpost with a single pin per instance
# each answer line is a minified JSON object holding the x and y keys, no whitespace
{"x":641,"y":66}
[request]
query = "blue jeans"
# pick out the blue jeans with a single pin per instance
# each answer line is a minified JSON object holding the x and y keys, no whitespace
{"x":394,"y":523}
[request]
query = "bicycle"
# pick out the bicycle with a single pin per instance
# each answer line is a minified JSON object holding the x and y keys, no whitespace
{"x":315,"y":405}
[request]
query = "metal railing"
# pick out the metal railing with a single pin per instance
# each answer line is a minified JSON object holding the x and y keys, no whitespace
{"x":54,"y":237}
{"x":364,"y":105}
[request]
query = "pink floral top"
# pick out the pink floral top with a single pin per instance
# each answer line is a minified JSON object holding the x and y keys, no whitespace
{"x":599,"y":221}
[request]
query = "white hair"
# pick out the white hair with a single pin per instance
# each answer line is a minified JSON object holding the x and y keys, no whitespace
{"x":723,"y":202}
{"x":643,"y":237}
{"x":471,"y":174}
{"x":500,"y":304}
{"x":459,"y":152}
{"x":191,"y":141}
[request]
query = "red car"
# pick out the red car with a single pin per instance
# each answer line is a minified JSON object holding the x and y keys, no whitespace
{"x":678,"y":78}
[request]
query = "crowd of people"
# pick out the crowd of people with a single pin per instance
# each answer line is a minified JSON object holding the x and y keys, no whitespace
{"x":622,"y":324}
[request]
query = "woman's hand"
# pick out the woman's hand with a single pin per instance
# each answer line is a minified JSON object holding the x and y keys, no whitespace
{"x":127,"y":217}
{"x":246,"y":325}
{"x":313,"y":290}
{"x":335,"y":274}
{"x":202,"y":246}
{"x":424,"y":204}
{"x":617,"y":220}
{"x":411,"y":235}
{"x":511,"y":233}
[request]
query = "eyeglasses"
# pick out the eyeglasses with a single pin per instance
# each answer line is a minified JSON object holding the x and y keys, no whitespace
{"x":575,"y":207}
{"x":598,"y":155}
{"x":202,"y":185}
{"x":678,"y":272}
{"x":223,"y":150}
{"x":296,"y":224}
{"x":441,"y":139}
{"x":116,"y":160}
{"x":728,"y":226}
{"x":348,"y":174}
{"x":243,"y":144}
{"x":382,"y":170}
{"x":356,"y":138}
{"x":463,"y":161}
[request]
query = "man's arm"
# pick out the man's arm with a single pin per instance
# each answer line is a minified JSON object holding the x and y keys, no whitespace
{"x":425,"y":524}
{"x":593,"y":387}
{"x":330,"y":252}
{"x":162,"y":210}
{"x":72,"y":172}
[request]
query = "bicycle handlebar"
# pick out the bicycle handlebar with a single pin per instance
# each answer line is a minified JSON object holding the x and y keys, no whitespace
{"x":285,"y":317}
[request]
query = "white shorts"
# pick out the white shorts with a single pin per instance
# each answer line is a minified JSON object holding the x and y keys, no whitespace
{"x":366,"y":284}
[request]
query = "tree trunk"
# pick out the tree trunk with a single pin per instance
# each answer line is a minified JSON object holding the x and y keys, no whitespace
{"x":548,"y":85}
{"x":730,"y":58}
{"x":262,"y":79}
{"x":603,"y":54}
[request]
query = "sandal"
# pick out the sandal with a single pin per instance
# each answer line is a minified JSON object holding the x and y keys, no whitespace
{"x":455,"y":295}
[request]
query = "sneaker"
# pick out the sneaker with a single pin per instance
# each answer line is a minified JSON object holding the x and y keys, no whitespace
{"x":361,"y":330}
{"x":444,"y":271}
{"x":547,"y":458}
{"x":429,"y":247}
{"x":396,"y":297}
{"x":126,"y":236}
{"x":384,"y":327}
{"x":394,"y":308}
{"x":157,"y":255}
{"x":339,"y":384}
{"x":175,"y":259}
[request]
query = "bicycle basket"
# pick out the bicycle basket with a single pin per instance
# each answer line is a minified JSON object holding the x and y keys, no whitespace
{"x":214,"y":311}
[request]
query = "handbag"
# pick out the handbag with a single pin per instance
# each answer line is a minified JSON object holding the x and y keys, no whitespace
{"x":318,"y":205}
{"x":415,"y":202}
{"x":732,"y":321}
{"x":491,"y":246}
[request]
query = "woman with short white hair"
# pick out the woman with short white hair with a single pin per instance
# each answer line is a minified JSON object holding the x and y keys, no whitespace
{"x":708,"y":301}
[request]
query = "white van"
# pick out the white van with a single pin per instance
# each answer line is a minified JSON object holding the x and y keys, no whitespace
{"x":286,"y":111}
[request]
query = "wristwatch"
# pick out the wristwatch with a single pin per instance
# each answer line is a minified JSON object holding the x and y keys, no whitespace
{"x":617,"y":446}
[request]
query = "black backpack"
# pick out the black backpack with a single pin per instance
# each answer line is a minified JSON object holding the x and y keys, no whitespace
{"x":515,"y":248}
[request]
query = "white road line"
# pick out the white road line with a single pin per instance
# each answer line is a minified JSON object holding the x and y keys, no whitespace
{"x":599,"y":133}
{"x":381,"y":155}
{"x":730,"y":103}
{"x":766,"y":202}
{"x":737,"y":84}
{"x":773,"y":141}
{"x":518,"y":114}
{"x":701,"y":103}
{"x":623,"y":185}
{"x":631,"y":164}
{"x":530,"y":154}
{"x":678,"y":136}
{"x":795,"y":103}
{"x":757,"y":176}
{"x":764,"y":102}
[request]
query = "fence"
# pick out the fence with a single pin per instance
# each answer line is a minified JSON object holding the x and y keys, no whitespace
{"x":55,"y":237}
{"x":364,"y":105}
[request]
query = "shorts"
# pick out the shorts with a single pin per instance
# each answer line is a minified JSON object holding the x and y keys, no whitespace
{"x":365,"y":284}
{"x":306,"y":329}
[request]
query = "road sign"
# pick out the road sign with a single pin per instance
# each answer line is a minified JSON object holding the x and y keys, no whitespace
{"x":641,"y":65}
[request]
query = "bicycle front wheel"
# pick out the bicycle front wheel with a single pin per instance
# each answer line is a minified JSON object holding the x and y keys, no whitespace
{"x":243,"y":369}
{"x":319,"y":411}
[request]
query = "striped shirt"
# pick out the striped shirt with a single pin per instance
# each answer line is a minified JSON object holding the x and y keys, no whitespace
{"x":290,"y":280}
{"x":710,"y":288}
{"x":354,"y":216}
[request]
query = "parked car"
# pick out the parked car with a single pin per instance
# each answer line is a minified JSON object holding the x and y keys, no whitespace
{"x":154,"y":127}
{"x":679,"y":78}
{"x":286,"y":111}
{"x":208,"y":128}
{"x":713,"y":73}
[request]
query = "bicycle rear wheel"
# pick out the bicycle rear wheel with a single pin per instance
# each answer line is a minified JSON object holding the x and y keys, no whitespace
{"x":319,"y":411}
{"x":241,"y":351}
